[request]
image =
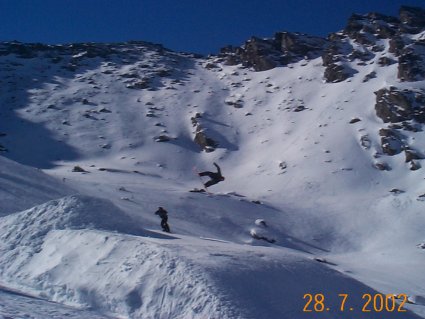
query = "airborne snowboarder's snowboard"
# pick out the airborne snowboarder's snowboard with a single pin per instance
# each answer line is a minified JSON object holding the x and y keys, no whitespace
{"x":200,"y":190}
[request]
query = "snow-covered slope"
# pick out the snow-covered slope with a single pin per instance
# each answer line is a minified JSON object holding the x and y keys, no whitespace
{"x":85,"y":252}
{"x":23,"y":187}
{"x":304,"y":149}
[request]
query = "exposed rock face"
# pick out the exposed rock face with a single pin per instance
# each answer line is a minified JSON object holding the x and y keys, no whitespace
{"x":360,"y":41}
{"x":396,"y":45}
{"x":334,"y":71}
{"x":394,"y":105}
{"x":206,"y":143}
{"x":391,"y":141}
{"x":295,"y":45}
{"x":78,"y":50}
{"x":404,"y":109}
{"x":410,"y":65}
{"x":412,"y":19}
{"x":255,"y":54}
{"x":265,"y":54}
{"x":380,"y":25}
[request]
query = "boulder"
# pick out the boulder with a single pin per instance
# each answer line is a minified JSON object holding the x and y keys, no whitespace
{"x":354,"y":120}
{"x":385,"y":61}
{"x":206,"y":143}
{"x":336,"y":73}
{"x":365,"y":142}
{"x":382,"y":166}
{"x":391,"y":141}
{"x":79,"y":169}
{"x":369,"y":76}
{"x":412,"y":155}
{"x":162,"y":138}
{"x":414,"y":165}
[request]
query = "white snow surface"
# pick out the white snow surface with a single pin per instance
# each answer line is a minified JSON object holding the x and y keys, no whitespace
{"x":88,"y":245}
{"x":23,"y":187}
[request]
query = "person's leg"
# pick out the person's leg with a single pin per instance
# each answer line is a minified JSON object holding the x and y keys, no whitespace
{"x":206,"y":174}
{"x":164,"y":224}
{"x":211,"y":182}
{"x":167,"y":228}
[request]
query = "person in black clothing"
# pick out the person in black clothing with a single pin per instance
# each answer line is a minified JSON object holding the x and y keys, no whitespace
{"x":161,"y":212}
{"x":215,"y":177}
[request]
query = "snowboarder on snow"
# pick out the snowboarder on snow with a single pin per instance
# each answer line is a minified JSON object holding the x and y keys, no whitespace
{"x":161,"y":212}
{"x":215,"y":177}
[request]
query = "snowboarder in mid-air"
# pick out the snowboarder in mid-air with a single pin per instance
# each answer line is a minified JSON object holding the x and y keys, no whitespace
{"x":214,"y":177}
{"x":161,"y":212}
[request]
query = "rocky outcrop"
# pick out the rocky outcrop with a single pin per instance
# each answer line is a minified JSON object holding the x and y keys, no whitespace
{"x":283,"y":48}
{"x":336,"y":68}
{"x":382,"y":166}
{"x":206,"y":143}
{"x":412,"y":19}
{"x":369,"y":76}
{"x":392,"y":142}
{"x":360,"y":41}
{"x":410,"y":65}
{"x":396,"y":45}
{"x":394,"y":105}
{"x":359,"y":27}
{"x":366,"y":31}
{"x":385,"y":61}
{"x":256,"y":53}
{"x":410,"y":50}
{"x":404,"y":111}
{"x":76,"y":51}
{"x":295,"y":46}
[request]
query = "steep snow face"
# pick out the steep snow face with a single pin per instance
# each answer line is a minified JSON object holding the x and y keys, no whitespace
{"x":22,"y":187}
{"x":287,"y":145}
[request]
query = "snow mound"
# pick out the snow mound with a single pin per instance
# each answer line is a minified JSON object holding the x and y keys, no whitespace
{"x":71,"y":212}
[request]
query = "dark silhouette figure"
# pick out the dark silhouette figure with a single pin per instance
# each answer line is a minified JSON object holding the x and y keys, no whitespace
{"x":161,"y":212}
{"x":214,"y":177}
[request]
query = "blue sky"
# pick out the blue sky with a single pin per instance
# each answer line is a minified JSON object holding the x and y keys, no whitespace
{"x":181,"y":25}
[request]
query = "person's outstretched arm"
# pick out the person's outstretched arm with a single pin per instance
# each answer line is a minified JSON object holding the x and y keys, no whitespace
{"x":218,"y":168}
